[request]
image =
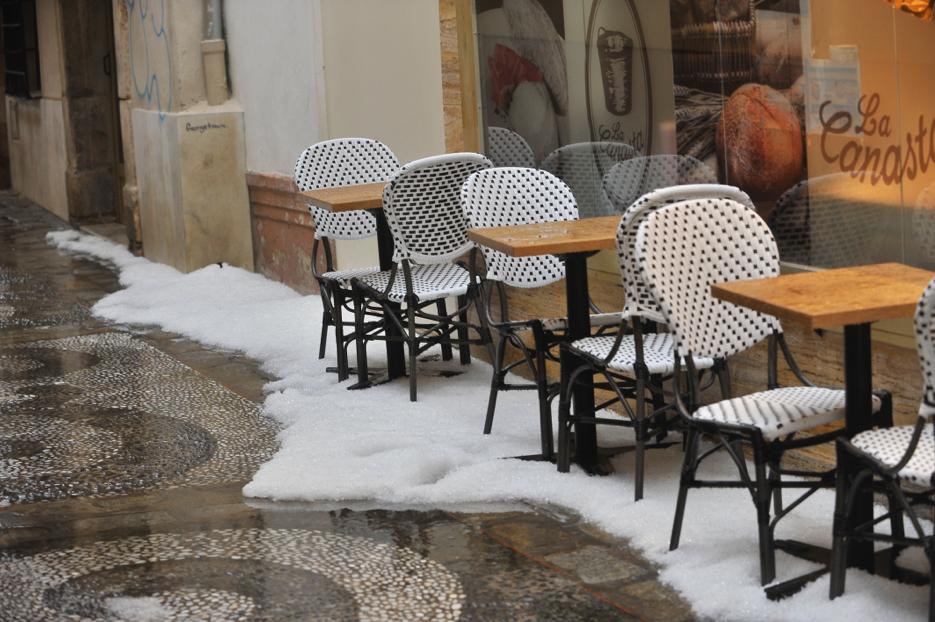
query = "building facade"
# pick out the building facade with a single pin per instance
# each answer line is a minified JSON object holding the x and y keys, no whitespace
{"x":182,"y":119}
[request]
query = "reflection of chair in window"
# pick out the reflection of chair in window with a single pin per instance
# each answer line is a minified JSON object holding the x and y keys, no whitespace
{"x":507,"y":148}
{"x":923,"y":224}
{"x":582,"y":166}
{"x":818,"y":222}
{"x":627,"y":181}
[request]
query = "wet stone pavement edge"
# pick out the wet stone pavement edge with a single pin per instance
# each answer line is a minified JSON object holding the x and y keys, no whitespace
{"x":122,"y":457}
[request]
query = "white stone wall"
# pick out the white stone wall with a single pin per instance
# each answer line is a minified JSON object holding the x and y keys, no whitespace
{"x":275,"y":59}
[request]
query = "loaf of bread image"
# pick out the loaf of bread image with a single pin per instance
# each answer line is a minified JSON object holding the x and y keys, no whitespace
{"x":759,"y":142}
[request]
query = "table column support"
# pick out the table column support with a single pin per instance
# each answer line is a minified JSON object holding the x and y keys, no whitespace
{"x":579,"y":326}
{"x":395,"y":355}
{"x":858,"y":380}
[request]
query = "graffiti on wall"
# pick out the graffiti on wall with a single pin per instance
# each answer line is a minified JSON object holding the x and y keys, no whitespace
{"x":150,"y":58}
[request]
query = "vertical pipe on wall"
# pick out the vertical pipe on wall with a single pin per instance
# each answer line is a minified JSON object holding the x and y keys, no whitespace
{"x":213,"y":49}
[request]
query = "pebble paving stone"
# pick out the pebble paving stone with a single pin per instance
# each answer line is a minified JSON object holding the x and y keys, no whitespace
{"x":122,"y":457}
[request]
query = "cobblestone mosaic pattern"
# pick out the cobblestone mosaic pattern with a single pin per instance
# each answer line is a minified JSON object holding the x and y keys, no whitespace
{"x":107,"y":414}
{"x":26,"y":302}
{"x":230,"y":574}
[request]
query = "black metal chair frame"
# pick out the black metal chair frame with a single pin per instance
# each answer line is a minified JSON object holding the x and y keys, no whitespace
{"x":336,"y":300}
{"x":535,"y":357}
{"x":625,"y":387}
{"x":766,"y":485}
{"x":882,"y":479}
{"x":421,"y":330}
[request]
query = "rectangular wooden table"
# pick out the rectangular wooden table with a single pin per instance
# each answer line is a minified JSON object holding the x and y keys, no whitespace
{"x":367,"y":197}
{"x":573,"y":241}
{"x":849,"y":297}
{"x":347,"y":198}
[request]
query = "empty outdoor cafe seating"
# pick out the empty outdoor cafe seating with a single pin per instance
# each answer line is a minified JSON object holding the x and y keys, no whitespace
{"x":423,"y":209}
{"x":516,"y":196}
{"x":900,"y":463}
{"x":682,"y":249}
{"x":341,"y":162}
{"x":636,"y":361}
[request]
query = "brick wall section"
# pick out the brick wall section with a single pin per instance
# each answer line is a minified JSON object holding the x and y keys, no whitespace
{"x":283,"y":231}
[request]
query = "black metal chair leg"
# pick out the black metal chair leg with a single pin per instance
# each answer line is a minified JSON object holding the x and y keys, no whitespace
{"x":564,"y":440}
{"x":413,"y":342}
{"x":446,"y":335}
{"x":343,"y":372}
{"x":639,"y":429}
{"x":495,"y":383}
{"x":776,"y":478}
{"x":323,"y":341}
{"x":839,"y":531}
{"x":542,"y":389}
{"x":763,"y":499}
{"x":464,"y":348}
{"x":360,"y":342}
{"x":690,"y":438}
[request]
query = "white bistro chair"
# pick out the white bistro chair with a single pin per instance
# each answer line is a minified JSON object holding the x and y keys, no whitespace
{"x":341,"y":162}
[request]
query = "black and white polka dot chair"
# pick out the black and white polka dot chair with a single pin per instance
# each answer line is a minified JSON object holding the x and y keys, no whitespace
{"x":631,"y":179}
{"x":898,"y":462}
{"x":422,"y":203}
{"x":681,"y":250}
{"x":583,"y":166}
{"x":341,"y":162}
{"x":634,"y":363}
{"x":501,"y":197}
{"x":507,"y":148}
{"x":823,"y":222}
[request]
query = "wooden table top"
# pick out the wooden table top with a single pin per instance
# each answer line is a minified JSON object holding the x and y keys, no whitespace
{"x":833,"y":298}
{"x":348,"y":198}
{"x":551,"y":238}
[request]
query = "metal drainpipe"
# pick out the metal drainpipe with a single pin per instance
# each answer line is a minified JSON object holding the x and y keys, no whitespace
{"x":213,"y":49}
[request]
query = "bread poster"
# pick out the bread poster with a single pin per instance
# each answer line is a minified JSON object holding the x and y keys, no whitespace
{"x":739,"y":90}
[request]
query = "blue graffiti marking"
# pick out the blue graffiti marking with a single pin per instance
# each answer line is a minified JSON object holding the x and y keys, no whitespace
{"x":146,"y":83}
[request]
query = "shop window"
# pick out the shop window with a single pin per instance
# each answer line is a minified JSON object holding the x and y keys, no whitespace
{"x":823,"y":111}
{"x":20,"y":48}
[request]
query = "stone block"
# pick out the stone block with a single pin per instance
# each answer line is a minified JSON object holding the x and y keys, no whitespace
{"x":194,"y":208}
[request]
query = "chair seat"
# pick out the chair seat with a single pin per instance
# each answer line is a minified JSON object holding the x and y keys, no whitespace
{"x":779,"y":412}
{"x":597,"y":320}
{"x":658,"y":352}
{"x":429,"y":282}
{"x":344,"y":276}
{"x":888,"y":446}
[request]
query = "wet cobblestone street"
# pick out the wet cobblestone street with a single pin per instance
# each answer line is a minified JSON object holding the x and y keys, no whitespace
{"x":123,"y":452}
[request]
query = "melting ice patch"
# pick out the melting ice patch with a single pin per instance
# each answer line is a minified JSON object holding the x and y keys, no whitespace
{"x":375,"y":445}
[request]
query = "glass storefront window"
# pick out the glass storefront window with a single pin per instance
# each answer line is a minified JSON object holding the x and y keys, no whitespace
{"x":823,"y":111}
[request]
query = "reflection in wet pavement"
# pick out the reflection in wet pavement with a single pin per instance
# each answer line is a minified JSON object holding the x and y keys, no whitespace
{"x":123,"y":455}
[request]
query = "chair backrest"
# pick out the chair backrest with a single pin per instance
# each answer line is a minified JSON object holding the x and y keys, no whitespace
{"x":344,"y":162}
{"x":820,"y":222}
{"x":683,"y":249}
{"x":582,"y":166}
{"x":500,"y":197}
{"x":627,"y":181}
{"x":507,"y":148}
{"x":925,"y":344}
{"x":422,"y":203}
{"x":639,"y":299}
